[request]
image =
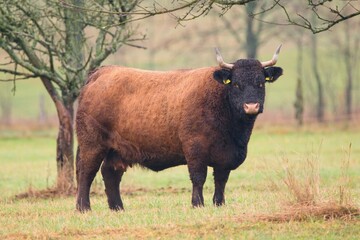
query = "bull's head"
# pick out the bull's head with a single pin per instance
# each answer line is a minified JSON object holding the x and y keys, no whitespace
{"x":246,"y":80}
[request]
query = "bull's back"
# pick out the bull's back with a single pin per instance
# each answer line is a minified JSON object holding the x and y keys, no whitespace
{"x":142,"y":109}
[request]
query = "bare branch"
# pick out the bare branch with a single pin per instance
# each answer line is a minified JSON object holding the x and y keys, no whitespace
{"x":134,"y":45}
{"x":328,"y":13}
{"x":229,"y":26}
{"x":36,"y":71}
{"x":13,"y":72}
{"x":228,"y":2}
{"x":17,"y":78}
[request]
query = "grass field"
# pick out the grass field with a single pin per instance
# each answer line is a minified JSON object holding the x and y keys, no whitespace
{"x":158,"y":204}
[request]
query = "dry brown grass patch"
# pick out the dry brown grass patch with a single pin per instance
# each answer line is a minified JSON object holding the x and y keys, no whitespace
{"x":324,"y":211}
{"x":304,"y":199}
{"x":95,"y":191}
{"x":45,"y":193}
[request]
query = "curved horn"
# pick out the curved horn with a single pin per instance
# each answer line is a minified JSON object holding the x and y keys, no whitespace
{"x":274,"y":59}
{"x":220,"y":60}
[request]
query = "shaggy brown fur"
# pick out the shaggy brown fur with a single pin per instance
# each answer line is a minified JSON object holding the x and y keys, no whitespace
{"x":159,"y":120}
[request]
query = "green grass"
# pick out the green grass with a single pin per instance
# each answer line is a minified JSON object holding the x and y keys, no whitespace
{"x":26,"y":100}
{"x":158,"y":204}
{"x":27,"y":161}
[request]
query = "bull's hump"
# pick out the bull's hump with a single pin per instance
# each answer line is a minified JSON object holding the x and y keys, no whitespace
{"x":196,"y":71}
{"x":120,"y":77}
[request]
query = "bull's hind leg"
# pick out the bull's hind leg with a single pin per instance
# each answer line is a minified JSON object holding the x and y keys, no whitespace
{"x":112,"y":174}
{"x":88,"y":163}
{"x":220,"y":178}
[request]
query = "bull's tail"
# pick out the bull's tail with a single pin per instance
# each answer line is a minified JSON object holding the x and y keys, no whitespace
{"x":77,"y":164}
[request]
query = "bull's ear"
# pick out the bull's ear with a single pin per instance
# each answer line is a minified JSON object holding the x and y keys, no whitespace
{"x":273,"y":73}
{"x":223,"y":76}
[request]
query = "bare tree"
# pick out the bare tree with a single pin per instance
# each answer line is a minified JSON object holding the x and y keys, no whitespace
{"x":59,"y":42}
{"x":5,"y":108}
{"x":348,"y":49}
{"x":299,"y":95}
{"x":252,"y":34}
{"x":319,"y":15}
{"x":327,"y":13}
{"x":248,"y":31}
{"x":320,"y":103}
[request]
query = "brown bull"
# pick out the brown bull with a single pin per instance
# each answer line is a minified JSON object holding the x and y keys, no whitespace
{"x":201,"y":117}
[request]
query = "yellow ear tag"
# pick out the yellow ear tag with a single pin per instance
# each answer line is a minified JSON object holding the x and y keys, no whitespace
{"x":227,"y":81}
{"x":267,"y":79}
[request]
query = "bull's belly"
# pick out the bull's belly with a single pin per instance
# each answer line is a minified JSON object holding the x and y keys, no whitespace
{"x":163,"y":162}
{"x":136,"y":145}
{"x":152,"y":155}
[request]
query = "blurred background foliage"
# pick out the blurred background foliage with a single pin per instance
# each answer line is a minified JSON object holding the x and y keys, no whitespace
{"x":325,"y":64}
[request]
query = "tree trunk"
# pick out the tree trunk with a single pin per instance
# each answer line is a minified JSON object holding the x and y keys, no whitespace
{"x":5,"y":109}
{"x":75,"y":41}
{"x":349,"y":72}
{"x":320,"y":98}
{"x":299,"y":100}
{"x":75,"y":44}
{"x":65,"y":139}
{"x":65,"y":149}
{"x":252,"y":41}
{"x":348,"y":95}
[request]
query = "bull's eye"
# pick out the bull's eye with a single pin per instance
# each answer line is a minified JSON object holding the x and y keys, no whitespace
{"x":236,"y":85}
{"x":260,"y":85}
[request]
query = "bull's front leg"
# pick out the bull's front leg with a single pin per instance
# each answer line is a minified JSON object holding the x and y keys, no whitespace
{"x":198,"y":172}
{"x":221,"y":177}
{"x":196,"y":156}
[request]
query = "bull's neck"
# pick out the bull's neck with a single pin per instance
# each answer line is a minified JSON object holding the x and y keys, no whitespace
{"x":242,"y":129}
{"x":242,"y":126}
{"x":239,"y":127}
